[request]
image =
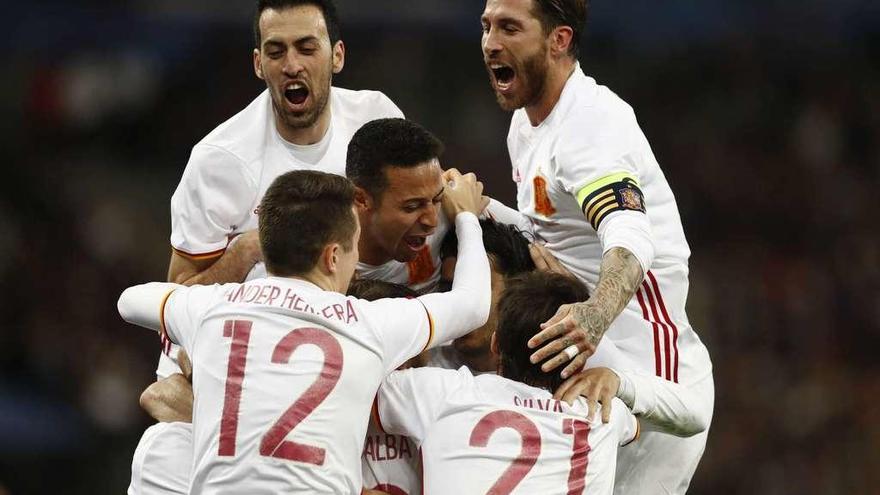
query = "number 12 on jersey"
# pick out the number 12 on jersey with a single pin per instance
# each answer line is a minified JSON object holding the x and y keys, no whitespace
{"x":273,"y":443}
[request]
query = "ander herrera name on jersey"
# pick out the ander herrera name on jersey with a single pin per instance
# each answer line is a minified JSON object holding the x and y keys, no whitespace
{"x":287,"y":298}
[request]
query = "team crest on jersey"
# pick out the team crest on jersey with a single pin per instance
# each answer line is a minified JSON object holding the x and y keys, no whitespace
{"x":631,"y":199}
{"x":543,"y":205}
{"x":422,"y":268}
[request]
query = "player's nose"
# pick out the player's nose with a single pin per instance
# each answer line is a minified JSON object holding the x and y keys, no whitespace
{"x":292,"y":64}
{"x":490,"y":43}
{"x":428,"y":219}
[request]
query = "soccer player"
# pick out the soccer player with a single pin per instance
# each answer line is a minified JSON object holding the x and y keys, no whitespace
{"x":300,"y":122}
{"x":496,"y":433}
{"x":588,"y":181}
{"x":285,"y":368}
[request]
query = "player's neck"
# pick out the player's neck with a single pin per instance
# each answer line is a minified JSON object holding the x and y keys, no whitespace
{"x":557,"y":76}
{"x":322,"y":280}
{"x":304,"y":136}
{"x":371,"y":254}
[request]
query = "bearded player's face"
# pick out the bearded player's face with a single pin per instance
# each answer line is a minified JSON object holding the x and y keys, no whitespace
{"x":515,"y":52}
{"x":297,"y":62}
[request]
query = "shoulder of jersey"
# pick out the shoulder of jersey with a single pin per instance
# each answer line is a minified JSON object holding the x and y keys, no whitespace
{"x":363,"y":105}
{"x":244,"y":133}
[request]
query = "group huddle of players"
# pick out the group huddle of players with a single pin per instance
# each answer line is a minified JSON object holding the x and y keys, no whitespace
{"x":345,"y":315}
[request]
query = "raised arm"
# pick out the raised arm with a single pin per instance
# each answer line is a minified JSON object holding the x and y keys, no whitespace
{"x":466,"y":306}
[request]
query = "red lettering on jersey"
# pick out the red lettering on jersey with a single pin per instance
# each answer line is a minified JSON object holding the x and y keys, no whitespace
{"x":543,"y":205}
{"x":289,"y":297}
{"x":421,"y":268}
{"x":236,"y":295}
{"x":405,"y":450}
{"x":299,"y":304}
{"x":349,"y":313}
{"x":557,"y":406}
{"x":337,"y":308}
{"x":263,"y":295}
{"x":273,"y":294}
{"x":369,"y":449}
{"x":391,"y":446}
{"x":252,"y":293}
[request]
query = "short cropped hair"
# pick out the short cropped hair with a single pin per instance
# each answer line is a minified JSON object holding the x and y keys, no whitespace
{"x":555,"y":13}
{"x":328,"y":9}
{"x":527,"y":301}
{"x":385,"y":143}
{"x":300,"y":214}
{"x":372,"y":290}
{"x":508,"y":246}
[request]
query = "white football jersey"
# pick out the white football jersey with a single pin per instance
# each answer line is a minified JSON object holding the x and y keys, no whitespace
{"x":485,"y":432}
{"x":230,"y":169}
{"x":279,"y":366}
{"x":391,"y":463}
{"x":421,"y":274}
{"x":162,"y":460}
{"x":585,"y":164}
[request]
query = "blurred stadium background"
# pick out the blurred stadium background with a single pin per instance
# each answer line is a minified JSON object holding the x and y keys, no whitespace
{"x":765,"y":116}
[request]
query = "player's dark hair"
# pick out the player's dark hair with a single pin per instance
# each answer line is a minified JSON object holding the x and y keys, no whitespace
{"x":508,"y":246}
{"x":555,"y":13}
{"x":378,"y":289}
{"x":300,"y":214}
{"x":527,"y":301}
{"x":328,"y":9}
{"x":386,"y":143}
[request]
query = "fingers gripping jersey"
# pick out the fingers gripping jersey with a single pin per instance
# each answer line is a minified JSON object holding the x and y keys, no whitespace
{"x":481,"y":432}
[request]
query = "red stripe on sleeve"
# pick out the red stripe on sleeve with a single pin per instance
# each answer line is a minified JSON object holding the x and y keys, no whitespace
{"x":656,"y":320}
{"x":668,"y":320}
{"x":657,"y":367}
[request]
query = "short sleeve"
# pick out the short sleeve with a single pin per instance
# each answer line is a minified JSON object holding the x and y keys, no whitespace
{"x":600,"y":167}
{"x":409,"y":401}
{"x":404,"y":328}
{"x":183,"y":309}
{"x":388,"y":109}
{"x":214,"y":196}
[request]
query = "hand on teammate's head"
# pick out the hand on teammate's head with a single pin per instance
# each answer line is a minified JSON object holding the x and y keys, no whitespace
{"x":462,"y":193}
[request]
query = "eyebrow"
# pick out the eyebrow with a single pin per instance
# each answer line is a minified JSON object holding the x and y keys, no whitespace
{"x":298,"y":41}
{"x":422,"y":200}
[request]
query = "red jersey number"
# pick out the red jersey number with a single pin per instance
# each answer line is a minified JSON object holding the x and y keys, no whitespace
{"x":273,"y":443}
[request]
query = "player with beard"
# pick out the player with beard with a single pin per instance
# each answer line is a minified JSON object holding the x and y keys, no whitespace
{"x":299,"y":122}
{"x":286,"y":367}
{"x":596,"y":196}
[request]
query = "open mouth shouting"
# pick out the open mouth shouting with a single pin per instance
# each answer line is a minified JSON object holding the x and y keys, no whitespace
{"x":415,"y":242}
{"x":296,"y":94}
{"x":503,"y":76}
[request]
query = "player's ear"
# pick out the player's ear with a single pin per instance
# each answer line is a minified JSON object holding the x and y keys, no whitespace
{"x":330,"y":257}
{"x":258,"y":66}
{"x":560,"y":40}
{"x":362,"y":199}
{"x":338,"y":57}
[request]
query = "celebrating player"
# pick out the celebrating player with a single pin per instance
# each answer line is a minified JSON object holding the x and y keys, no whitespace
{"x":588,"y":180}
{"x":259,"y":422}
{"x":496,"y":433}
{"x":298,"y":122}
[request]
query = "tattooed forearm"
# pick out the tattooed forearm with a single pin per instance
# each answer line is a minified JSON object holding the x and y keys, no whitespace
{"x":619,"y":277}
